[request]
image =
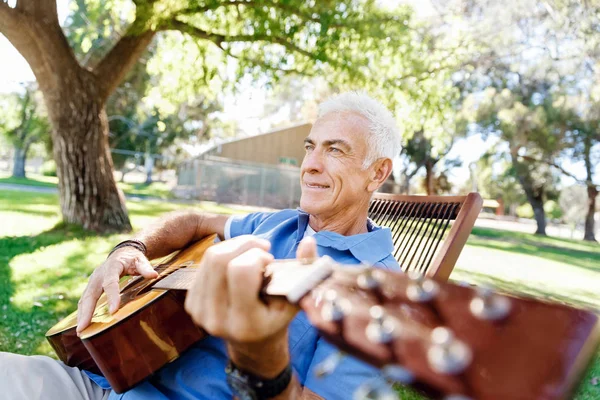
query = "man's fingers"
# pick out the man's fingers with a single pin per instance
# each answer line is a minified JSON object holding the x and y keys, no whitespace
{"x":87,"y":304}
{"x":223,"y":252}
{"x":245,"y":276}
{"x":113,"y":296}
{"x":144,"y":268}
{"x":307,"y":248}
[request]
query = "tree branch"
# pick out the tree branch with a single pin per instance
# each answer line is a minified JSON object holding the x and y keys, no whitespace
{"x":34,"y":31}
{"x":219,"y":39}
{"x":266,"y":65}
{"x":10,"y":19}
{"x":202,"y":9}
{"x":561,"y":169}
{"x":115,"y":65}
{"x":41,"y":10}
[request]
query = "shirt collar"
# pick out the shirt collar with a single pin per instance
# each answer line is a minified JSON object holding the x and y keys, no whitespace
{"x":370,"y":247}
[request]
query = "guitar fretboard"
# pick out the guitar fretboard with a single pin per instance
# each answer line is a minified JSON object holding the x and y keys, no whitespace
{"x":290,"y":278}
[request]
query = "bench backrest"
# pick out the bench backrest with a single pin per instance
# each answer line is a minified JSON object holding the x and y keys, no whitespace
{"x":429,"y":232}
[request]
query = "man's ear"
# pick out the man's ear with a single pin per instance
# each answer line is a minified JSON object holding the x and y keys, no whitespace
{"x":379,"y":172}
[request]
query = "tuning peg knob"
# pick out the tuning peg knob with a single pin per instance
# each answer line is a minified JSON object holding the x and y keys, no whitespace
{"x":447,"y":355}
{"x":375,"y":390}
{"x":382,"y":328}
{"x":489,"y":306}
{"x":421,"y":289}
{"x":457,"y":397}
{"x":367,"y":279}
{"x":333,"y":309}
{"x":399,"y":374}
{"x":328,"y":365}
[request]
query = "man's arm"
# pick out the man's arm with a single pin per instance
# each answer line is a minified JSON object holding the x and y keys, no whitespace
{"x":172,"y":232}
{"x":175,"y":230}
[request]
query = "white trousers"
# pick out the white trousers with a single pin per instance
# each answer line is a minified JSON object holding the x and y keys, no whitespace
{"x":41,"y":377}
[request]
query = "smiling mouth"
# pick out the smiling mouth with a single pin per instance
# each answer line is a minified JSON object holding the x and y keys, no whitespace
{"x":316,"y":186}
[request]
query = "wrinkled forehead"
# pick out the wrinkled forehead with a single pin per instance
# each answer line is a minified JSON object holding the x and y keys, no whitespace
{"x":350,"y":127}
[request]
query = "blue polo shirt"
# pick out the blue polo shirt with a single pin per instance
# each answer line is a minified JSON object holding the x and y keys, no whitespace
{"x":200,"y":372}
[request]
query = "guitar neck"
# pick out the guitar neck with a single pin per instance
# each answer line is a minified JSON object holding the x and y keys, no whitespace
{"x":291,"y":279}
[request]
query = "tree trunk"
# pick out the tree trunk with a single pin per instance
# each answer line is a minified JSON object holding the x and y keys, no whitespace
{"x":537,"y":203}
{"x":589,"y":218}
{"x":19,"y":162}
{"x":536,"y":199}
{"x":75,"y":97}
{"x":429,"y":177}
{"x":88,"y":192}
{"x":534,"y":193}
{"x":149,"y":167}
{"x":124,"y":172}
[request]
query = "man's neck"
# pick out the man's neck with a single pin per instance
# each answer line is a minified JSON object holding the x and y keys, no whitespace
{"x":340,"y":223}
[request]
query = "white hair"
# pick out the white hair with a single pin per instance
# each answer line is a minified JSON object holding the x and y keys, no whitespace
{"x":384,"y":140}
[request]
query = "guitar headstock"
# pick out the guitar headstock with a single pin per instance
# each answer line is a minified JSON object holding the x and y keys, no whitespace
{"x":452,"y":340}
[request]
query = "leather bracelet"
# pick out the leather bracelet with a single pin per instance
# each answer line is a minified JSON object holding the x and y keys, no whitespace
{"x":138,"y":244}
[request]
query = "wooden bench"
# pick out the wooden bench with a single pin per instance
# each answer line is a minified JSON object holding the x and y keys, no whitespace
{"x":429,"y":232}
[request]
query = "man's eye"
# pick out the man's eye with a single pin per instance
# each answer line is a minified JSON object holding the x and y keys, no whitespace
{"x":335,"y":150}
{"x":308,"y":147}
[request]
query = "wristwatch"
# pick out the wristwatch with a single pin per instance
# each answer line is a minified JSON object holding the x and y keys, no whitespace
{"x":246,"y":386}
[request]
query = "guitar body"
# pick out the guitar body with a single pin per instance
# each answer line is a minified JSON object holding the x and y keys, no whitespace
{"x":150,"y":329}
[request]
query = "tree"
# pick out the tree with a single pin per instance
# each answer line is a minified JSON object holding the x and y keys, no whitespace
{"x":267,"y":37}
{"x":522,"y":112}
{"x":583,"y":138}
{"x":24,"y":127}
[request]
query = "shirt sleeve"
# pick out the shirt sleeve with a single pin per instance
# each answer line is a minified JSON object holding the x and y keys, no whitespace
{"x":238,"y":225}
{"x":345,"y":379}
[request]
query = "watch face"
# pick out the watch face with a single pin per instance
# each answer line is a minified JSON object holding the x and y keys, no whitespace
{"x":240,"y":388}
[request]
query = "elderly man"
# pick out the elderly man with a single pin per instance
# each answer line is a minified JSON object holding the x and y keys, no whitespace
{"x":349,"y":155}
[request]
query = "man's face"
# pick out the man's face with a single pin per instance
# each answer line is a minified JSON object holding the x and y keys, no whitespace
{"x":332,"y":176}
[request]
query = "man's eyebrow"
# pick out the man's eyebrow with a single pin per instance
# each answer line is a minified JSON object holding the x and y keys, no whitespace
{"x":332,"y":142}
{"x":341,"y":142}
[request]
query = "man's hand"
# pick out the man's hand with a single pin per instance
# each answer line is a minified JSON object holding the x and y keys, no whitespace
{"x":105,"y":278}
{"x":224,"y":300}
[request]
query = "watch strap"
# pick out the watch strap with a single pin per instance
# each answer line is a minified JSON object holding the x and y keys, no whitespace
{"x":263,"y":388}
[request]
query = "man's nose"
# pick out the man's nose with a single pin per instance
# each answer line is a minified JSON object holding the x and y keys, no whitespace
{"x":313,"y":162}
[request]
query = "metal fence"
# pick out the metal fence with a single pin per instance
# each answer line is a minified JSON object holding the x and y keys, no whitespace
{"x":227,"y":181}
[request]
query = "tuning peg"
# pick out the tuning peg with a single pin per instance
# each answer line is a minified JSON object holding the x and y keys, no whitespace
{"x":447,"y":355}
{"x":398,"y":374}
{"x":488,"y":305}
{"x":381,"y":329}
{"x":333,"y":309}
{"x":328,"y":365}
{"x":457,"y":397}
{"x":421,"y":289}
{"x":368,"y":279}
{"x":375,"y":389}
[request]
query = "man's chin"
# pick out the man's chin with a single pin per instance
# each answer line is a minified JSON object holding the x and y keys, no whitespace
{"x":310,"y":204}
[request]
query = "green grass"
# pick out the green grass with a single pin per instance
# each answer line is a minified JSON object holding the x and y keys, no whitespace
{"x":39,"y":181}
{"x":44,"y":264}
{"x":156,"y":189}
{"x":44,"y":267}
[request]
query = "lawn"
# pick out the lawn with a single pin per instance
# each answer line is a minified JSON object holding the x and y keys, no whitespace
{"x":44,"y":267}
{"x":155,"y":189}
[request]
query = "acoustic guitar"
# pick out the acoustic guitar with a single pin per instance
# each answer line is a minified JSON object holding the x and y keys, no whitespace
{"x":449,"y":341}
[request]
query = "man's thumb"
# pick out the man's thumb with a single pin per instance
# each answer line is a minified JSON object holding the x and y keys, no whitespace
{"x":307,"y":248}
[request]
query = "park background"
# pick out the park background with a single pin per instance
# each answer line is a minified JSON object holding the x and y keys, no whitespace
{"x":146,"y":97}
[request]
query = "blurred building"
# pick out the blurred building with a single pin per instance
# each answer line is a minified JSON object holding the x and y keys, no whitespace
{"x":261,"y":170}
